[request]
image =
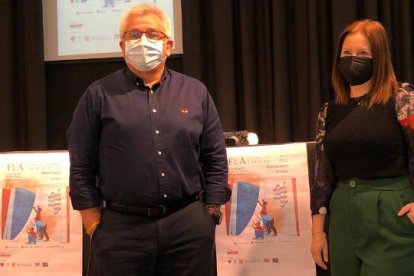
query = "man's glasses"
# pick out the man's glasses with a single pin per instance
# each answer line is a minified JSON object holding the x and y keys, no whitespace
{"x":152,"y":36}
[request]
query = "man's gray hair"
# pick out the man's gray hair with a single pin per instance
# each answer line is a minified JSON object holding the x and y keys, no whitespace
{"x":143,"y":9}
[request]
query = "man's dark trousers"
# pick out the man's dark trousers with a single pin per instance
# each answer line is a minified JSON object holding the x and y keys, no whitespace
{"x":180,"y":244}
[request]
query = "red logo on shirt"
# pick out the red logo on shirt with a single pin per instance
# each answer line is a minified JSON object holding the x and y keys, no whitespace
{"x":184,"y":110}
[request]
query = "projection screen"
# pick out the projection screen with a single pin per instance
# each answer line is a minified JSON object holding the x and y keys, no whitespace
{"x":85,"y":29}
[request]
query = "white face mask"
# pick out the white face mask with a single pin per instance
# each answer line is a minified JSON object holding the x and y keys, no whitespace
{"x":143,"y":54}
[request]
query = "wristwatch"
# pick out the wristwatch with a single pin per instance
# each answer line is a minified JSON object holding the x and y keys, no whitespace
{"x":214,"y":211}
{"x":217,"y":216}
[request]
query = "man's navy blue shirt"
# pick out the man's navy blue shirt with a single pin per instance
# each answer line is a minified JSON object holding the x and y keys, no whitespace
{"x":143,"y":146}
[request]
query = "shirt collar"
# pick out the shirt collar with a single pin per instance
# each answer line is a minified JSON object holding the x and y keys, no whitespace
{"x":140,"y":83}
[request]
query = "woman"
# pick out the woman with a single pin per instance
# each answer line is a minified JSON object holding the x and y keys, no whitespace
{"x":364,"y":159}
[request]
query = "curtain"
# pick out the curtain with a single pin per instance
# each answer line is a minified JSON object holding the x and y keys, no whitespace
{"x":22,"y":92}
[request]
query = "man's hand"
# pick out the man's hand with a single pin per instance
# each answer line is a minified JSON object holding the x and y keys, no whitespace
{"x":91,"y":218}
{"x":214,"y":211}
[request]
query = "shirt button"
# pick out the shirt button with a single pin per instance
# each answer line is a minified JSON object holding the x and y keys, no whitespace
{"x":154,"y":110}
{"x":162,"y":174}
{"x":159,"y":152}
{"x":165,"y":195}
{"x":152,"y":91}
{"x":157,"y":132}
{"x":352,"y":183}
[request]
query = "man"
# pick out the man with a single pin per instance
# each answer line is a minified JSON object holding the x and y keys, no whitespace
{"x":144,"y":143}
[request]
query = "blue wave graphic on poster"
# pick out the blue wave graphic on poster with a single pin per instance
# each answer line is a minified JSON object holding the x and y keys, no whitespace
{"x":19,"y":210}
{"x":246,"y":199}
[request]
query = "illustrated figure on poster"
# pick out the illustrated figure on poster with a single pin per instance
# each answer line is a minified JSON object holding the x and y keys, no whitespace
{"x":41,"y":226}
{"x":31,"y":235}
{"x":258,"y":229}
{"x":268,"y":221}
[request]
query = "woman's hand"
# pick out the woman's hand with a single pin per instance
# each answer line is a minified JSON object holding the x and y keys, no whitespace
{"x":408,"y":210}
{"x":319,"y":249}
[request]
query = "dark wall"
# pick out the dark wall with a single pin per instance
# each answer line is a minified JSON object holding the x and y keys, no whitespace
{"x":66,"y":81}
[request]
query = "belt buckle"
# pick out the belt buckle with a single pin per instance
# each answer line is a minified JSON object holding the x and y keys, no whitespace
{"x":163,"y":209}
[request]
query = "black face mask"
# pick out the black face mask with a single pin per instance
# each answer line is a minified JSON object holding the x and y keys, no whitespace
{"x":355,"y":70}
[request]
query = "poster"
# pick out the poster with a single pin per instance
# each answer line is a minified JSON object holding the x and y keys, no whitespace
{"x":40,"y":234}
{"x":267,"y":225}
